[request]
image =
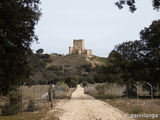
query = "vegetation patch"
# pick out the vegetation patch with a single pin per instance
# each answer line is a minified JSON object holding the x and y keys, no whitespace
{"x":119,"y":100}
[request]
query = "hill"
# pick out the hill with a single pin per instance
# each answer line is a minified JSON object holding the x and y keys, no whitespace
{"x":52,"y":68}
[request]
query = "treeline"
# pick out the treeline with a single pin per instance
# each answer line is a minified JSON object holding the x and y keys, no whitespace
{"x":136,"y":62}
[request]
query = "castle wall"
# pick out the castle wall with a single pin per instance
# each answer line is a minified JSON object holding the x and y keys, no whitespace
{"x":78,"y":44}
{"x":70,"y":50}
{"x":88,"y":52}
{"x":78,"y":48}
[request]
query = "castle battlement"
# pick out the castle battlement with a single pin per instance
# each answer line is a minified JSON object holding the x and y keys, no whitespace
{"x":78,"y":48}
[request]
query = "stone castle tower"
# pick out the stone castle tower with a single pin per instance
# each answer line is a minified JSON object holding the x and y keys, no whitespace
{"x":78,"y":48}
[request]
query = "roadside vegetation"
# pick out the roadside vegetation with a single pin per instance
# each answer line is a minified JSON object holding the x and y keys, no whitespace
{"x":36,"y":103}
{"x":11,"y":109}
{"x":115,"y":96}
{"x":53,"y":68}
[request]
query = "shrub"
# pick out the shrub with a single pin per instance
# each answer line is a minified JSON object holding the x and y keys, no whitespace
{"x":55,"y":68}
{"x":137,"y":110}
{"x":49,"y":60}
{"x":84,"y":83}
{"x":43,"y":82}
{"x":43,"y":56}
{"x":14,"y":105}
{"x":90,"y":80}
{"x":65,"y":87}
{"x":82,"y":79}
{"x":67,"y":65}
{"x":60,"y":82}
{"x":100,"y":89}
{"x":100,"y":78}
{"x":31,"y":106}
{"x":86,"y":67}
{"x":71,"y":81}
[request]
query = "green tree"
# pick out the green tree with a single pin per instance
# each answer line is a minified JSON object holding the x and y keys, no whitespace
{"x":39,"y":51}
{"x":17,"y":24}
{"x":71,"y":81}
{"x":137,"y":61}
{"x":31,"y":106}
{"x":132,"y":7}
{"x":151,"y":52}
{"x":100,"y":76}
{"x":113,"y":66}
{"x":124,"y":66}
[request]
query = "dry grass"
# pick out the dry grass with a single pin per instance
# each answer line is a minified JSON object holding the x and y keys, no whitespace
{"x":131,"y":105}
{"x":37,"y":115}
{"x":28,"y":93}
{"x":71,"y":61}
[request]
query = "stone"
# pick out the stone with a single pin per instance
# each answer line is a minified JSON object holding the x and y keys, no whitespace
{"x":78,"y":48}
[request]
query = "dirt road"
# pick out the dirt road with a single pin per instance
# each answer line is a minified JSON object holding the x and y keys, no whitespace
{"x":85,"y":107}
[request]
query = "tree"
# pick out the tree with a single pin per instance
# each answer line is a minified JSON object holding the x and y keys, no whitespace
{"x":137,"y":61}
{"x":151,"y":52}
{"x":17,"y":24}
{"x":132,"y":7}
{"x":100,"y":76}
{"x":71,"y":81}
{"x":39,"y":51}
{"x":124,"y":65}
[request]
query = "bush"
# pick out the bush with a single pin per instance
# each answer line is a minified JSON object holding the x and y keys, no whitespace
{"x":65,"y":87}
{"x":49,"y":60}
{"x":67,"y":65}
{"x":84,"y":83}
{"x":14,"y":105}
{"x":32,"y":106}
{"x":71,"y":81}
{"x":90,"y":80}
{"x":87,"y":67}
{"x":100,"y":89}
{"x":137,"y":110}
{"x":82,"y":79}
{"x":55,"y":68}
{"x":43,"y":82}
{"x":43,"y":56}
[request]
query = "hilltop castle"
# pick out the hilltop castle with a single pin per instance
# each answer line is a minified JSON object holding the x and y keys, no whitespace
{"x":78,"y":48}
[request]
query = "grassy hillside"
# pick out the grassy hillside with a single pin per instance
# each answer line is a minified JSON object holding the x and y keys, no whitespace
{"x":55,"y":67}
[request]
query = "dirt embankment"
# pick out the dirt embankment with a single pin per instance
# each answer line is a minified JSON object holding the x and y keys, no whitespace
{"x":85,"y":107}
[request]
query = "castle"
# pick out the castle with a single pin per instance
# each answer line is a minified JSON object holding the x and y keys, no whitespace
{"x":78,"y":48}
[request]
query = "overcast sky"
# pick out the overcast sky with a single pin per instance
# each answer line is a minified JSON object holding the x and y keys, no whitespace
{"x":99,"y":22}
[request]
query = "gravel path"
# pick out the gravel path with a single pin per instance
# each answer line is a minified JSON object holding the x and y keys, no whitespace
{"x":85,"y":107}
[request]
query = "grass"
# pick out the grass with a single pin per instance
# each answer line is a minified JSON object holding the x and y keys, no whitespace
{"x":37,"y":115}
{"x":130,"y":105}
{"x":40,"y":113}
{"x":28,"y":94}
{"x":103,"y":60}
